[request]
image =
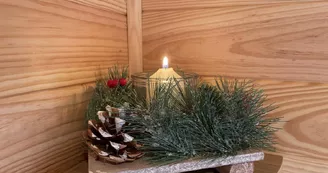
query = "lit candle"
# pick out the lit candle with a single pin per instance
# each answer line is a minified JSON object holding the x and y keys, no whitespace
{"x":165,"y":62}
{"x":146,"y":83}
{"x":163,"y":75}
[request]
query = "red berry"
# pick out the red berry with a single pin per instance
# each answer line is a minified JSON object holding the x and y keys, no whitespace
{"x":123,"y":81}
{"x":112,"y":83}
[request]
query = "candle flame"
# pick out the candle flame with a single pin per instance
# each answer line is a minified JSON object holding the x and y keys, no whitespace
{"x":165,"y":62}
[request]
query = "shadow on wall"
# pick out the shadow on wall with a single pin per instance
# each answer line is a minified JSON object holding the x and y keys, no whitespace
{"x":78,"y":110}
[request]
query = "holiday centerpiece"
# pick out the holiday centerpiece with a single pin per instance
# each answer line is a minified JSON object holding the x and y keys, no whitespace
{"x":179,"y":119}
{"x":145,"y":83}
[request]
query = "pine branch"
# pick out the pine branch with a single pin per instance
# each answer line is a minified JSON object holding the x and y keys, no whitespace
{"x":120,"y":96}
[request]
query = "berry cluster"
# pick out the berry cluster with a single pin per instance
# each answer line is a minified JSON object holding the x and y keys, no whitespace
{"x":113,"y":83}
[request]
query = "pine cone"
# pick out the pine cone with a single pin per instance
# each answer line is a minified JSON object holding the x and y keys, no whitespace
{"x":108,"y":140}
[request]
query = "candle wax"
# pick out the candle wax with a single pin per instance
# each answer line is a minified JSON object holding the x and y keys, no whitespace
{"x":165,"y":73}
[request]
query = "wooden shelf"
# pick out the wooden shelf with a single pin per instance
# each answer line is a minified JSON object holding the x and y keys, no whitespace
{"x":141,"y":166}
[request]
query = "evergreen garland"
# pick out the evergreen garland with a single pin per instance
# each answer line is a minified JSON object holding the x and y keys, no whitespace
{"x":199,"y":121}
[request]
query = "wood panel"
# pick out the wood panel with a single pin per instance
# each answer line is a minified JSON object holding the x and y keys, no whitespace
{"x":134,"y":36}
{"x":196,"y":4}
{"x":282,"y":41}
{"x":49,"y":53}
{"x":118,"y":6}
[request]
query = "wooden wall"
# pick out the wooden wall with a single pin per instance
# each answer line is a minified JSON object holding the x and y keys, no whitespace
{"x":49,"y":53}
{"x":281,"y":44}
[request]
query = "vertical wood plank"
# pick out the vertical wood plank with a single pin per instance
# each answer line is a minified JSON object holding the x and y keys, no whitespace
{"x":134,"y":35}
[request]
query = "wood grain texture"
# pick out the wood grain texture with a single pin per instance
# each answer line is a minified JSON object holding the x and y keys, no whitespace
{"x":149,"y":5}
{"x":134,"y":36}
{"x":284,"y":41}
{"x":118,"y":6}
{"x":303,"y":138}
{"x":49,"y":54}
{"x":80,"y":168}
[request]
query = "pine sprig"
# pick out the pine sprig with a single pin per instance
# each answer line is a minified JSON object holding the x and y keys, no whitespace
{"x":119,"y":97}
{"x":117,"y":72}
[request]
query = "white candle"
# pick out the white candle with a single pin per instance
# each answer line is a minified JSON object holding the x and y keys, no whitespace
{"x":163,"y":75}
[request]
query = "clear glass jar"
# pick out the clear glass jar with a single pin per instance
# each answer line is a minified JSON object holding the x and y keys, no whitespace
{"x":145,"y":84}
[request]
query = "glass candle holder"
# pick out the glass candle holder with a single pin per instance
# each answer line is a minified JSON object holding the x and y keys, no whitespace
{"x":144,"y":84}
